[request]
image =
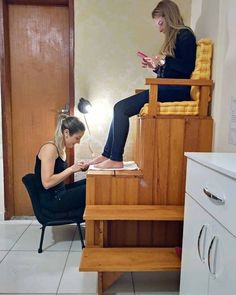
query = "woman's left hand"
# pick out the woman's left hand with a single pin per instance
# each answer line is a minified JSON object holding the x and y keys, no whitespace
{"x":160,"y":60}
{"x":153,"y":63}
{"x":148,"y":62}
{"x":84,"y":165}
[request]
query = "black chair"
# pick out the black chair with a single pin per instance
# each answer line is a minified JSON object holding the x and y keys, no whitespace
{"x":47,"y":218}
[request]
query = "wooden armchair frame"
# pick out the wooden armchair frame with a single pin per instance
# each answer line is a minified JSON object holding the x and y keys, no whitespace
{"x":153,"y":92}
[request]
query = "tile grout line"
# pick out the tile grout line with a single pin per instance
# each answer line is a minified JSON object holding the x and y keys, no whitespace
{"x":133,"y":283}
{"x":4,"y":256}
{"x":65,"y":262}
{"x":20,"y":236}
{"x":8,"y":251}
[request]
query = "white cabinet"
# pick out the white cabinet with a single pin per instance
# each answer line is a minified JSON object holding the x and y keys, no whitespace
{"x":209,"y":240}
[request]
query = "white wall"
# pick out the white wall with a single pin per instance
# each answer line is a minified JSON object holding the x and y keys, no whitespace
{"x":216,"y":19}
{"x":107,"y":36}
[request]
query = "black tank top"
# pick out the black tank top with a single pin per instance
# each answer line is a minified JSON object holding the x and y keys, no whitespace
{"x":60,"y":166}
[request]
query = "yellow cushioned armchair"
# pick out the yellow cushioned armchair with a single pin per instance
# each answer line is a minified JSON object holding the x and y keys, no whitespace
{"x":200,"y":91}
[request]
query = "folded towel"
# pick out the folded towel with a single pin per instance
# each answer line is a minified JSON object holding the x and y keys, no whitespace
{"x":128,"y":165}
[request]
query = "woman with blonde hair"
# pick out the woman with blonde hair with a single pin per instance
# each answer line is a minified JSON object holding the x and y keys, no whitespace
{"x":51,"y":168}
{"x":176,"y":59}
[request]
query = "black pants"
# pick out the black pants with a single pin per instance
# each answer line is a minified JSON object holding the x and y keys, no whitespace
{"x":72,"y":198}
{"x":131,"y":106}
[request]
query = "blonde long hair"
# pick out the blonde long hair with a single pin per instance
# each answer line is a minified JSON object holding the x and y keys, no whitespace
{"x":174,"y":22}
{"x":73,"y":124}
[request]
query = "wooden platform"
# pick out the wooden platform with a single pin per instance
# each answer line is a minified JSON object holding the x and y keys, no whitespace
{"x":134,"y":219}
{"x":129,"y":259}
{"x":134,"y":212}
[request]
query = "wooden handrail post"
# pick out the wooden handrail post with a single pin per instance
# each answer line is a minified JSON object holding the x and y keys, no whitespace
{"x":152,"y":108}
{"x":204,"y":101}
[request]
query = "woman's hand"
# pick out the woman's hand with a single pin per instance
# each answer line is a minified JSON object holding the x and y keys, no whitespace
{"x":153,"y":63}
{"x":160,"y":60}
{"x":84,"y":165}
{"x":148,"y":62}
{"x":79,"y":166}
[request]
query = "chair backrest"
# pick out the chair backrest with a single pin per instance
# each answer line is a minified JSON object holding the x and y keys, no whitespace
{"x":29,"y":181}
{"x":202,"y":65}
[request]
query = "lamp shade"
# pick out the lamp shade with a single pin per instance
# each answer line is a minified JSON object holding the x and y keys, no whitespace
{"x":84,"y":105}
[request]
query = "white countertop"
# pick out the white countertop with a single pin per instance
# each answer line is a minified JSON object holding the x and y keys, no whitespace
{"x":222,"y":162}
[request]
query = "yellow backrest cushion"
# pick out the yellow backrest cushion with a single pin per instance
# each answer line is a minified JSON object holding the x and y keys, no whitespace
{"x":202,"y":65}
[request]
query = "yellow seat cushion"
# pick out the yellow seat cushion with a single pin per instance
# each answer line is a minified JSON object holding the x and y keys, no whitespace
{"x":174,"y":108}
{"x":202,"y":71}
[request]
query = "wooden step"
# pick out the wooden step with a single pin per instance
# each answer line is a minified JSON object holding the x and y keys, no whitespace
{"x":134,"y":212}
{"x":129,"y":259}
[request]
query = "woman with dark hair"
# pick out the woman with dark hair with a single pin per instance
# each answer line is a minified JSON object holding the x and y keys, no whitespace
{"x":51,"y":168}
{"x":176,"y":59}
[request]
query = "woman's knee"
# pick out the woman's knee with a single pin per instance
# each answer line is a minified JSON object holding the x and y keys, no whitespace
{"x":119,"y":108}
{"x":76,"y":184}
{"x":81,"y":182}
{"x":131,"y":106}
{"x":81,"y":194}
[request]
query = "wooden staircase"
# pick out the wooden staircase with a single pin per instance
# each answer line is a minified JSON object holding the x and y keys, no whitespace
{"x":134,"y":219}
{"x":130,"y":259}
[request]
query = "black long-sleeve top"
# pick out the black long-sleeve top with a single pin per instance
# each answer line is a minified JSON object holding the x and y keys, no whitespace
{"x":182,"y":65}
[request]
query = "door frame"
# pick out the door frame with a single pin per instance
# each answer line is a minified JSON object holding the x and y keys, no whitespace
{"x":6,"y":90}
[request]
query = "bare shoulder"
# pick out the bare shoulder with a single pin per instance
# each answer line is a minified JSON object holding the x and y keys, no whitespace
{"x":49,"y":151}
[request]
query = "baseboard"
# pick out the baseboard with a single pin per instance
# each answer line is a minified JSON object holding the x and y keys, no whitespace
{"x":2,"y":216}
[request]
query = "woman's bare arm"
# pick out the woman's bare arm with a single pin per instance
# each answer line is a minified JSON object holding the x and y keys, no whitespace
{"x":48,"y":155}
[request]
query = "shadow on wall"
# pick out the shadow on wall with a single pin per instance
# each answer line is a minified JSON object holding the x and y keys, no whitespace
{"x":207,"y":24}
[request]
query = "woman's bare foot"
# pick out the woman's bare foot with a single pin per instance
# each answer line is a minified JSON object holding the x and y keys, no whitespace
{"x":97,"y":160}
{"x":109,"y":164}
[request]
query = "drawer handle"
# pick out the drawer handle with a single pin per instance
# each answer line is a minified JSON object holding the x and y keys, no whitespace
{"x":213,"y":197}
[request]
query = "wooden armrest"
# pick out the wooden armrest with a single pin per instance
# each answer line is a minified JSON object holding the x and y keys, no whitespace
{"x":204,"y":85}
{"x":187,"y":82}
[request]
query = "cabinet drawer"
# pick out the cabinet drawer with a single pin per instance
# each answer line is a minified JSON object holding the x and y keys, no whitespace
{"x":216,"y":185}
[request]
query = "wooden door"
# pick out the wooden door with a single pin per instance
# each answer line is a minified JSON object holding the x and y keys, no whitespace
{"x":39,"y":69}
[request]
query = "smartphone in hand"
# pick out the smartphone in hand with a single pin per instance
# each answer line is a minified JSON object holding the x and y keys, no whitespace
{"x":141,"y":54}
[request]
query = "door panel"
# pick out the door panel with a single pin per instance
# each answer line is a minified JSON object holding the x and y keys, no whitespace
{"x":197,"y":234}
{"x":223,"y":262}
{"x":39,"y":59}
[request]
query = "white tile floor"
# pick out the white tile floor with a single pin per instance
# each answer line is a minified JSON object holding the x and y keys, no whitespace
{"x":55,"y":271}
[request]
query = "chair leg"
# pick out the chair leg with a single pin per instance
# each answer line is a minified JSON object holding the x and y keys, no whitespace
{"x":81,"y":235}
{"x":41,"y":239}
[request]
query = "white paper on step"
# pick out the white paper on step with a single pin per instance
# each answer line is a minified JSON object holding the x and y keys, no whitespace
{"x":128,"y":165}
